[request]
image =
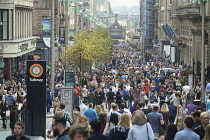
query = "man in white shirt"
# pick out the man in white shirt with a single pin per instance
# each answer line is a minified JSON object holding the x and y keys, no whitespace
{"x":186,"y":88}
{"x":83,"y":107}
{"x":49,"y":129}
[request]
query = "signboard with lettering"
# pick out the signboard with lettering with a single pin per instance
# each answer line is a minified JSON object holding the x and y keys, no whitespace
{"x":36,"y":97}
{"x":69,"y":79}
{"x":36,"y":73}
{"x":67,"y":97}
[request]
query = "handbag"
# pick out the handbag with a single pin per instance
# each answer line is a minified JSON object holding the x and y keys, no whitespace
{"x":148,"y":134}
{"x":145,"y":97}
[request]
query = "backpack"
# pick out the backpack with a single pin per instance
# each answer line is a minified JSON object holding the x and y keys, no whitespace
{"x":67,"y":117}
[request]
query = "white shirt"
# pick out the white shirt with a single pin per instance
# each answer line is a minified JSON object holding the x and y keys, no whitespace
{"x":83,"y":107}
{"x":50,"y":126}
{"x":128,"y":87}
{"x":186,"y":88}
{"x":128,"y":111}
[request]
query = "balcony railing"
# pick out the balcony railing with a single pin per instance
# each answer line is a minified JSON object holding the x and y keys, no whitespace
{"x":193,"y":11}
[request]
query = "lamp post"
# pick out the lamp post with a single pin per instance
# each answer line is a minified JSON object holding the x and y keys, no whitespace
{"x":52,"y":44}
{"x":203,"y":51}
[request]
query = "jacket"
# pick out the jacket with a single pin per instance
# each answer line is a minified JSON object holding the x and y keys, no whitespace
{"x":118,"y":133}
{"x":98,"y":136}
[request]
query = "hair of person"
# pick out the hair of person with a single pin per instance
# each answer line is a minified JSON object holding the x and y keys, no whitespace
{"x":90,"y":105}
{"x":196,"y":114}
{"x":62,"y":106}
{"x":114,"y":107}
{"x":113,"y":119}
{"x":81,"y":118}
{"x":14,"y":103}
{"x":79,"y":128}
{"x":58,"y":109}
{"x":77,"y":108}
{"x":171,"y":132}
{"x":189,"y":122}
{"x":172,"y":102}
{"x":179,"y":119}
{"x":20,"y":124}
{"x":60,"y":119}
{"x":207,"y":133}
{"x":203,"y":114}
{"x":112,"y":104}
{"x":95,"y":125}
{"x":125,"y":120}
{"x":136,"y":102}
{"x":155,"y":108}
{"x":98,"y":109}
{"x":183,"y":92}
{"x":164,"y":108}
{"x":155,"y":100}
{"x":122,"y":106}
{"x":103,"y":117}
{"x":140,"y":105}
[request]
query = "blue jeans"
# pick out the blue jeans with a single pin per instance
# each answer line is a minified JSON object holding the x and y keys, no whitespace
{"x":76,"y":101}
{"x":48,"y":104}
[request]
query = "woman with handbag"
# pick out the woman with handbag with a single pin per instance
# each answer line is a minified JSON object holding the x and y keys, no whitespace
{"x":120,"y":132}
{"x":3,"y":109}
{"x":140,"y":128}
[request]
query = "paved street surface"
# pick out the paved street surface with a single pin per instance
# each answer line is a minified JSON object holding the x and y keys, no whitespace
{"x":6,"y":132}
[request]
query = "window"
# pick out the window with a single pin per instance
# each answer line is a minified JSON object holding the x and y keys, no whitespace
{"x":170,"y":2}
{"x":4,"y":24}
{"x":44,"y":3}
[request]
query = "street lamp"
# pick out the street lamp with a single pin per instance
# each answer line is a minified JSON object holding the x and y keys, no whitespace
{"x":203,"y":51}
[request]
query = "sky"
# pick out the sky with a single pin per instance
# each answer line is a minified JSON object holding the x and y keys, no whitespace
{"x":119,"y":3}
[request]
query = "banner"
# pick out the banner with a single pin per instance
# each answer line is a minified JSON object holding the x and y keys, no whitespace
{"x":71,"y":34}
{"x":190,"y":80}
{"x":69,"y":79}
{"x":46,"y":28}
{"x":62,"y":38}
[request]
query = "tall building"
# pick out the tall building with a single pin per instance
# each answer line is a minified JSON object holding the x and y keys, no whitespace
{"x":186,"y":21}
{"x":16,"y":39}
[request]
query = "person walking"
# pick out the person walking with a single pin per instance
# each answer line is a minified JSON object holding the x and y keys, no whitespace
{"x":155,"y":119}
{"x":171,"y":132}
{"x":120,"y":132}
{"x":200,"y":130}
{"x":13,"y":116}
{"x":95,"y":128}
{"x":48,"y":99}
{"x":91,"y":113}
{"x":165,"y":112}
{"x":173,"y":112}
{"x":140,"y":128}
{"x":187,"y":133}
{"x":3,"y":109}
{"x":19,"y":129}
{"x":59,"y":128}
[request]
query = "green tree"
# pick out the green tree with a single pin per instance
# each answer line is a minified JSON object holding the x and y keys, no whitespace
{"x":89,"y":47}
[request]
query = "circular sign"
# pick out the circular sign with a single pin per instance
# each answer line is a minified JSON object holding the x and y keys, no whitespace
{"x":36,"y":70}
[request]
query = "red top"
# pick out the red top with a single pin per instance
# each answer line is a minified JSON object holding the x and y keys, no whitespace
{"x":77,"y":91}
{"x":103,"y":125}
{"x":146,"y":88}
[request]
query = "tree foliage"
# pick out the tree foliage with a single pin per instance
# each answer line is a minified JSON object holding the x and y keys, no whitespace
{"x":89,"y":47}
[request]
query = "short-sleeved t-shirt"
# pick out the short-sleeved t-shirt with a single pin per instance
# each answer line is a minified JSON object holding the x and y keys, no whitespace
{"x":191,"y":108}
{"x":154,"y":119}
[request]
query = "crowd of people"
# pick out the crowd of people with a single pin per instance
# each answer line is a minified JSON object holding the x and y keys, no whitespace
{"x":131,"y":99}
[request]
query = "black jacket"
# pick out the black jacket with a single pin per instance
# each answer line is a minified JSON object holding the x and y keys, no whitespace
{"x":13,"y":138}
{"x":118,"y":133}
{"x":98,"y":136}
